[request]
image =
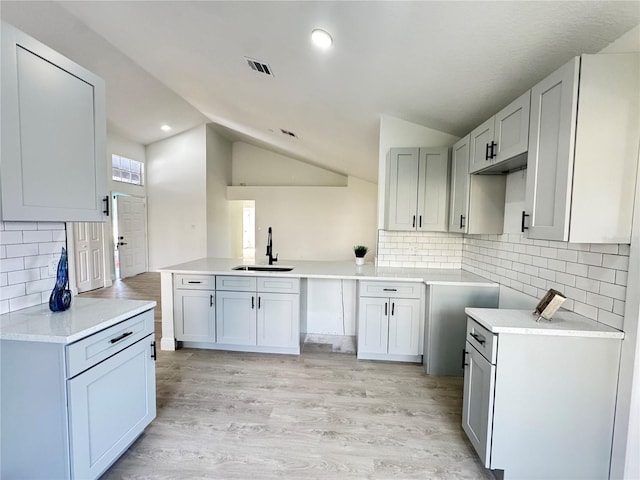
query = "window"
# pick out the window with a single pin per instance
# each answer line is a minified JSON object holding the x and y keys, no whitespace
{"x":126,"y":170}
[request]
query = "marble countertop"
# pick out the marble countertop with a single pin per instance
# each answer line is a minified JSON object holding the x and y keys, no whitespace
{"x":85,"y":317}
{"x":333,"y":270}
{"x":523,"y":322}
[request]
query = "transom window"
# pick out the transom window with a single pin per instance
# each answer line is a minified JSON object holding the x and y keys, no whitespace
{"x":126,"y":170}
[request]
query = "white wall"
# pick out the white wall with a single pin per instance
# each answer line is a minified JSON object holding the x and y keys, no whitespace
{"x":313,"y":223}
{"x":395,"y":132}
{"x":222,"y":216}
{"x":626,"y":441}
{"x":177,"y":198}
{"x":256,"y":166}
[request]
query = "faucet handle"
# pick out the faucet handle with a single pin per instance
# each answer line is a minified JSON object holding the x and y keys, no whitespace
{"x":275,"y":259}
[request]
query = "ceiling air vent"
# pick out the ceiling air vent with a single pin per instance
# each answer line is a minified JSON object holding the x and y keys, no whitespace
{"x":288,"y":133}
{"x":259,"y":67}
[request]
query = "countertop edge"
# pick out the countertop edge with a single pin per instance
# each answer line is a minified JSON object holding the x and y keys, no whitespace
{"x":65,"y":340}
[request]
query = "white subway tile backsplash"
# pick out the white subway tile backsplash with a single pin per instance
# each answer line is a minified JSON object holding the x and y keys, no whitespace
{"x":420,"y":249}
{"x":603,"y":274}
{"x":588,"y":284}
{"x":621,"y":277}
{"x":568,"y":255}
{"x":604,"y":248}
{"x":600,"y":301}
{"x":578,"y":269}
{"x":612,"y":319}
{"x":11,"y":237}
{"x":557,"y":265}
{"x":26,"y":250}
{"x":618,"y":307}
{"x":590,"y":258}
{"x":615,"y":261}
{"x":614,"y":291}
{"x":624,"y":249}
{"x":588,"y":311}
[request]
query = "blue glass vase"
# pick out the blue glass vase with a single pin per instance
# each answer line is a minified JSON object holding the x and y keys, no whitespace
{"x":60,"y":298}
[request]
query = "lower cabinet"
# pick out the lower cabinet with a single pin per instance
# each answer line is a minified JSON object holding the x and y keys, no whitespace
{"x":238,"y":312}
{"x":390,"y":327}
{"x":70,"y":411}
{"x":541,"y":406}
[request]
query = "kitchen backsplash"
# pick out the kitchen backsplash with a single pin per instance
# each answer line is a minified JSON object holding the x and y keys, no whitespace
{"x":419,"y":249}
{"x":592,"y":276}
{"x":26,"y":249}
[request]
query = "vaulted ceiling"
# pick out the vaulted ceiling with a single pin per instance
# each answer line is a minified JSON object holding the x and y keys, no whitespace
{"x":447,"y":65}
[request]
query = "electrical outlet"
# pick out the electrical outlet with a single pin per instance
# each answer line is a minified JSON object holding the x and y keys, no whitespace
{"x":53,"y":266}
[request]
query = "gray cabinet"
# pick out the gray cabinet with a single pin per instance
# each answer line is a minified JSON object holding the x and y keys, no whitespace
{"x":500,"y":144}
{"x":540,"y":405}
{"x":477,"y":201}
{"x":194,"y":301}
{"x":446,"y":324}
{"x":390,"y":321}
{"x":418,"y":189}
{"x":236,"y":314}
{"x":71,"y":410}
{"x":584,"y":124}
{"x":53,"y":135}
{"x":278,"y":320}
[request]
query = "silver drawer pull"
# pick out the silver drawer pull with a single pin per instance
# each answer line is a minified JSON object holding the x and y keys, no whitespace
{"x":479,"y":338}
{"x":390,"y":289}
{"x":124,"y":335}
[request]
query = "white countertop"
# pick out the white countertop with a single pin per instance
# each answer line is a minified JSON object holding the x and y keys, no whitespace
{"x":523,"y":322}
{"x":333,"y":270}
{"x":85,"y":317}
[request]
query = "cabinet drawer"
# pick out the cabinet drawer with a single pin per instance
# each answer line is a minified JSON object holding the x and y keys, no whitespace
{"x":482,"y":339}
{"x":391,"y":289}
{"x":195,"y":282}
{"x":236,"y":283}
{"x":278,"y":285}
{"x":91,"y":350}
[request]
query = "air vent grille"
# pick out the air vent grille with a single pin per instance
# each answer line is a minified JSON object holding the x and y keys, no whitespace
{"x":258,"y":66}
{"x":288,"y":133}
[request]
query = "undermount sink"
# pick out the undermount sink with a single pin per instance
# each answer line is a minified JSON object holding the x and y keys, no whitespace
{"x":262,"y":268}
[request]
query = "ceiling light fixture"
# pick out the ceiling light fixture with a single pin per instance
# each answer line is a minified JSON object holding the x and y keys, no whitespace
{"x":165,"y":127}
{"x":321,"y":38}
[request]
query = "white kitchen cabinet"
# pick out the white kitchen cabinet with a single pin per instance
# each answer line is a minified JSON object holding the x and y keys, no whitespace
{"x":418,"y":189}
{"x":477,"y":201}
{"x":390,"y":326}
{"x":539,"y":400}
{"x":236,"y":315}
{"x":70,"y":410}
{"x":583,"y":155}
{"x":278,"y":320}
{"x":53,"y":135}
{"x":500,"y":144}
{"x":194,"y":308}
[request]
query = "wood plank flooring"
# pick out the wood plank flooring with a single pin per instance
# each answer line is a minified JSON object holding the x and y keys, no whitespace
{"x":228,"y":415}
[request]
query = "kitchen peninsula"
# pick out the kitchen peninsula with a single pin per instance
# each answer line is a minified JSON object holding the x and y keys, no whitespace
{"x":200,"y":297}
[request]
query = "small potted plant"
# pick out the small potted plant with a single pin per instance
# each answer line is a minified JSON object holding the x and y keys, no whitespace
{"x":360,"y":251}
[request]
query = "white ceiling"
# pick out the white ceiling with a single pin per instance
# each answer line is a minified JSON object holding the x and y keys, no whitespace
{"x":447,"y":65}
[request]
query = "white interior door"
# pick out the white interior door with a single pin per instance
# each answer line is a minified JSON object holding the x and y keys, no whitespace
{"x":132,"y":235}
{"x":89,"y":255}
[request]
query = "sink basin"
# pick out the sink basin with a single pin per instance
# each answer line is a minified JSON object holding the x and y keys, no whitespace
{"x":262,"y":268}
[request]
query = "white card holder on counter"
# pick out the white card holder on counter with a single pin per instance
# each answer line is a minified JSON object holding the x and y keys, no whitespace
{"x":549,"y":304}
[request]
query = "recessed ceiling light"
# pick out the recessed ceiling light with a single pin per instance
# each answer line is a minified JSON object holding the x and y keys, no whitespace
{"x":321,"y":38}
{"x":165,"y":128}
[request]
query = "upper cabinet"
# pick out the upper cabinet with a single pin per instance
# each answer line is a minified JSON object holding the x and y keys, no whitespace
{"x":477,"y":201}
{"x":418,"y":189}
{"x":53,"y":135}
{"x":500,"y":144}
{"x":583,"y":154}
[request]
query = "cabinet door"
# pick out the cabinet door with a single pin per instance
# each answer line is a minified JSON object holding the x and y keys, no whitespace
{"x":459,"y":186}
{"x":512,"y":128}
{"x":433,"y":190}
{"x":404,"y":327}
{"x":551,"y":153}
{"x":402,"y":189}
{"x":278,"y":320}
{"x":195,"y":315}
{"x":479,"y":142}
{"x":109,"y":406}
{"x":53,"y":134}
{"x":373,"y":325}
{"x":236,"y":318}
{"x":477,"y":402}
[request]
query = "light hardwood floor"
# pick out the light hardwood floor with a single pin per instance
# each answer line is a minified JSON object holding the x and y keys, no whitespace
{"x":226,"y":415}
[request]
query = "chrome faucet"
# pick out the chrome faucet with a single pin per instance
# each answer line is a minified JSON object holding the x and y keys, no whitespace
{"x":270,"y":249}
